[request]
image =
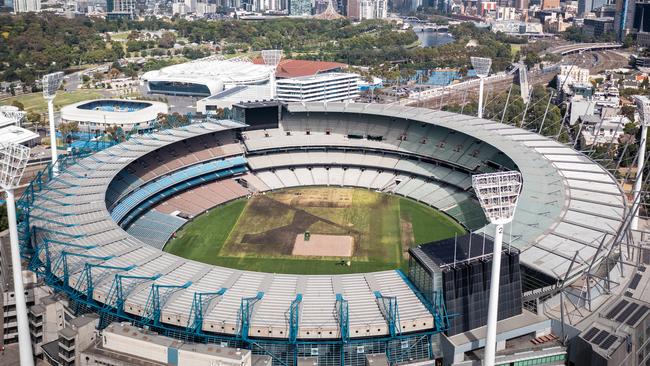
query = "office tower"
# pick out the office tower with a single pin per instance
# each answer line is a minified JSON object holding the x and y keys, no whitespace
{"x":550,"y":4}
{"x":624,"y":18}
{"x":586,"y":6}
{"x":300,"y":7}
{"x":353,"y":9}
{"x":24,"y":6}
{"x":373,"y":9}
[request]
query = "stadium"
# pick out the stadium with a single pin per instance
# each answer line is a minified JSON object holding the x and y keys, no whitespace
{"x":97,"y":115}
{"x":205,"y":77}
{"x":97,"y":230}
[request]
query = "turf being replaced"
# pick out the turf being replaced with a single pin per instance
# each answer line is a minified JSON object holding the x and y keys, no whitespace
{"x":259,"y":233}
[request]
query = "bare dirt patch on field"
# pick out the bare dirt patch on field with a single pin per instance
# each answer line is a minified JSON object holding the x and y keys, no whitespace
{"x":320,"y":245}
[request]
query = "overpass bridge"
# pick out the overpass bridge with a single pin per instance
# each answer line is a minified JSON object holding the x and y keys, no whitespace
{"x":430,"y":27}
{"x":581,"y":47}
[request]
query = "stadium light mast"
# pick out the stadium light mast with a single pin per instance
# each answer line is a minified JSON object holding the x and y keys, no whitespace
{"x":51,"y":83}
{"x":13,"y":159}
{"x":498,"y":194}
{"x":272,"y":59}
{"x":482,"y":67}
{"x":643,"y":106}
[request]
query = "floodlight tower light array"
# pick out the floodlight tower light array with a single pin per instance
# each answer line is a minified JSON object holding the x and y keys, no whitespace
{"x":498,"y":194}
{"x":272,"y":59}
{"x":643,"y":108}
{"x":51,"y":83}
{"x":482,"y":67}
{"x":13,"y":159}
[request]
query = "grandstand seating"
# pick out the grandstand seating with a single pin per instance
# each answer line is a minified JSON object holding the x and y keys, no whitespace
{"x":459,"y":204}
{"x":155,"y":228}
{"x":171,"y":158}
{"x":128,"y":203}
{"x":199,"y":199}
{"x":425,"y":140}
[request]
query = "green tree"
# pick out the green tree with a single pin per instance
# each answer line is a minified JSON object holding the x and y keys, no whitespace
{"x":167,"y":40}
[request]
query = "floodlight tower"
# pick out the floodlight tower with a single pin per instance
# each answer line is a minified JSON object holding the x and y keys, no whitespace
{"x":643,"y":106}
{"x":51,"y":83}
{"x":272,"y":59}
{"x":498,"y":194}
{"x":13,"y":159}
{"x":482,"y":67}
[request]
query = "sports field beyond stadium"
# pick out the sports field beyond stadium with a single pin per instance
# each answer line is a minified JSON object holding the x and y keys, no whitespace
{"x":260,"y":233}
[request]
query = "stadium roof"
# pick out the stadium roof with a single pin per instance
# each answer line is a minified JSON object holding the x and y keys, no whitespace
{"x":236,"y":94}
{"x":17,"y":135}
{"x":210,"y":69}
{"x":72,"y":112}
{"x":289,"y":68}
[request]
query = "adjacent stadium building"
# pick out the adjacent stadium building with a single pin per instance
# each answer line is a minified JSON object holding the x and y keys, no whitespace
{"x":205,"y":77}
{"x":96,"y":233}
{"x":99,"y":114}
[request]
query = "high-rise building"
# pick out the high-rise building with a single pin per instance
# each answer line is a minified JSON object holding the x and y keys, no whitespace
{"x":353,"y":9}
{"x":320,"y":6}
{"x":373,"y":9}
{"x":24,"y":6}
{"x":190,"y":6}
{"x":586,"y":6}
{"x":550,"y":4}
{"x":632,"y":16}
{"x":624,"y":17}
{"x":300,"y":7}
{"x":178,"y":8}
{"x":521,"y":4}
{"x":120,"y":8}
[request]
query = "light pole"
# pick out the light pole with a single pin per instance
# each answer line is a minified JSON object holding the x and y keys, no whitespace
{"x":643,"y":106}
{"x":51,"y":83}
{"x":482,"y":67}
{"x":13,"y":159}
{"x":498,"y":194}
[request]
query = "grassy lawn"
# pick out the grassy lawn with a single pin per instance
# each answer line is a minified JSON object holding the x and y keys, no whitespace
{"x":121,"y":36}
{"x":421,"y":217}
{"x":514,"y":48}
{"x":202,"y":238}
{"x":257,"y":234}
{"x":34,"y":102}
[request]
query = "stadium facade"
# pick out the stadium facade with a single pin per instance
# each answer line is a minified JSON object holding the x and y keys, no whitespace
{"x":73,"y":228}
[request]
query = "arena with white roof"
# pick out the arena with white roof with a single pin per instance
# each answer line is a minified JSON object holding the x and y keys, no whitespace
{"x":568,"y":214}
{"x":206,"y":76}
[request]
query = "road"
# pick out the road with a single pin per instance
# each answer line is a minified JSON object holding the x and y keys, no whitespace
{"x":565,"y":49}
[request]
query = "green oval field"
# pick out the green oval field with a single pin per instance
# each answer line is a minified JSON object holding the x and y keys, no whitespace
{"x":315,"y":230}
